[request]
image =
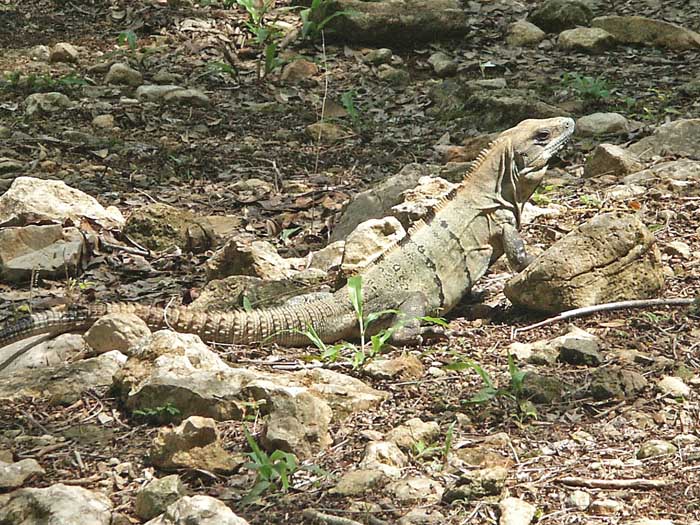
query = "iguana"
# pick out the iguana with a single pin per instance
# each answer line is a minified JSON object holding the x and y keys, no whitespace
{"x":426,"y":273}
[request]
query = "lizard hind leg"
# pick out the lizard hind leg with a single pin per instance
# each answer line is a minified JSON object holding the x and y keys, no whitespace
{"x":408,"y":329}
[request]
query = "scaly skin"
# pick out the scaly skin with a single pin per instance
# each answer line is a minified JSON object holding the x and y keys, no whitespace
{"x":426,"y":273}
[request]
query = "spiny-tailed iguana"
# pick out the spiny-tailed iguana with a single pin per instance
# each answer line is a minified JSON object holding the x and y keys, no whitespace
{"x":426,"y":273}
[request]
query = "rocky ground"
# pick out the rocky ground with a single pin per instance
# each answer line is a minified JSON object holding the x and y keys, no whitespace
{"x":603,"y":428}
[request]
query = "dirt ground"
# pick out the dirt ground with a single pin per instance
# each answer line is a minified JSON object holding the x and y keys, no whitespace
{"x":189,"y":158}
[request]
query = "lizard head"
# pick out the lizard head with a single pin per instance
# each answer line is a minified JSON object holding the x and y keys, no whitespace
{"x":534,"y":143}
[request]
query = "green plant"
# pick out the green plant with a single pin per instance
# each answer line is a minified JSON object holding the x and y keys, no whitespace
{"x":273,"y":471}
{"x":159,"y":414}
{"x":592,"y":88}
{"x":315,"y":18}
{"x":540,"y":198}
{"x":265,"y":34}
{"x":127,"y":37}
{"x":490,"y":392}
{"x":590,"y":200}
{"x":347,"y":99}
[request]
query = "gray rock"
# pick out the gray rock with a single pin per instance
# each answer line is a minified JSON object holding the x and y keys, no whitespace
{"x":31,"y":200}
{"x":515,"y":511}
{"x":680,"y":138}
{"x":13,"y":475}
{"x":609,"y":159}
{"x":612,"y":257}
{"x":370,"y":240}
{"x":392,"y":75}
{"x":256,"y":259}
{"x":398,"y":21}
{"x":421,"y":200}
{"x":678,"y":175}
{"x":64,"y":52}
{"x":378,"y":56}
{"x":378,"y":201}
{"x":55,"y":504}
{"x":116,"y":332}
{"x":122,"y":74}
{"x":678,"y":249}
{"x":442,"y":64}
{"x":155,"y":93}
{"x":103,"y":121}
{"x":656,"y":447}
{"x":52,"y":250}
{"x":153,"y":498}
{"x":46,"y":103}
{"x":202,"y":510}
{"x":580,"y":352}
{"x":616,"y":383}
{"x":326,"y":132}
{"x":524,"y":33}
{"x":40,"y":52}
{"x":542,"y":389}
{"x":555,"y":16}
{"x":62,"y":384}
{"x":599,"y":123}
{"x":647,"y":31}
{"x":606,"y":507}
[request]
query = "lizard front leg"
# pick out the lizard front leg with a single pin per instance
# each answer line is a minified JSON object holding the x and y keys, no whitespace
{"x":514,"y":248}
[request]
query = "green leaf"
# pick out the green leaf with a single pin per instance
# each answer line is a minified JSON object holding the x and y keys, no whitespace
{"x":434,"y":320}
{"x":247,"y":306}
{"x":355,"y":290}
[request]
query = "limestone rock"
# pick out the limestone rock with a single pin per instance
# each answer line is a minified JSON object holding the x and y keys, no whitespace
{"x":612,"y":257}
{"x":647,"y":31}
{"x":329,"y":257}
{"x":51,"y":250}
{"x":606,"y":507}
{"x":578,"y":499}
{"x":382,"y":55}
{"x":679,"y":175}
{"x":398,"y":21}
{"x":358,"y":482}
{"x":46,"y":103}
{"x":515,"y":511}
{"x":421,"y":200}
{"x":153,"y":498}
{"x":476,"y":484}
{"x":384,"y":456}
{"x":123,"y":74}
{"x":524,"y":33}
{"x":53,"y":352}
{"x":116,"y":332}
{"x":32,"y":200}
{"x":405,"y":367}
{"x":13,"y":475}
{"x":257,"y":259}
{"x":187,"y":97}
{"x":553,"y":16}
{"x":421,"y":516}
{"x":194,"y":444}
{"x":56,"y":504}
{"x":673,"y":386}
{"x":580,"y":352}
{"x":609,"y":159}
{"x":370,"y":240}
{"x":62,"y":384}
{"x":592,"y":40}
{"x":103,"y":121}
{"x":416,"y":490}
{"x":326,"y":132}
{"x":599,"y":123}
{"x":202,"y":510}
{"x":680,"y":138}
{"x":542,"y":389}
{"x":408,"y":434}
{"x":392,"y":75}
{"x":64,"y":52}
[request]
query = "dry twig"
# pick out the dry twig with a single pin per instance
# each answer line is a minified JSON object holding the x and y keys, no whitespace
{"x":615,"y":483}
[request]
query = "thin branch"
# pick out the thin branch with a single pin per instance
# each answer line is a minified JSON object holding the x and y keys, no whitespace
{"x":315,"y":515}
{"x":615,"y":483}
{"x":607,"y":307}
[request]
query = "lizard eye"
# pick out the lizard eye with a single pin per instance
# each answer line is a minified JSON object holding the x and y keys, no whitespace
{"x":542,"y":136}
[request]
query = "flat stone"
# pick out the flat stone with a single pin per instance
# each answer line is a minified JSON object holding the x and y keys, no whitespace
{"x":599,"y":123}
{"x":13,"y":475}
{"x":593,"y":40}
{"x":515,"y":511}
{"x":524,"y":33}
{"x":153,"y":498}
{"x":647,"y":31}
{"x":123,"y":74}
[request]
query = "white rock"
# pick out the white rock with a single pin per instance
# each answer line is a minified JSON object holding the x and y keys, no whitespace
{"x":46,"y":103}
{"x":384,"y":456}
{"x":598,"y":123}
{"x":202,"y":510}
{"x":674,"y":386}
{"x":515,"y":511}
{"x":578,"y":499}
{"x":116,"y":332}
{"x":679,"y":248}
{"x":32,"y":200}
{"x":369,"y":240}
{"x":63,"y":52}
